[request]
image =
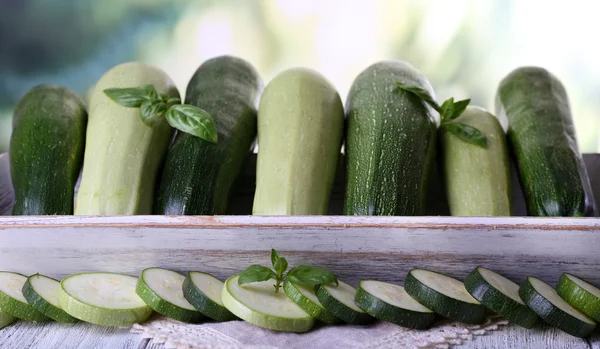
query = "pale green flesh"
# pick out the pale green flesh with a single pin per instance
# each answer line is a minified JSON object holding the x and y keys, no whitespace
{"x":300,"y":127}
{"x":122,"y":154}
{"x":12,"y":285}
{"x":394,"y":295}
{"x":550,"y":294}
{"x":502,"y":284}
{"x":586,"y":286}
{"x":167,"y":285}
{"x":6,"y":320}
{"x":444,"y":284}
{"x":104,"y":290}
{"x":344,"y":293}
{"x":209,"y":285}
{"x":308,"y":291}
{"x":47,"y":288}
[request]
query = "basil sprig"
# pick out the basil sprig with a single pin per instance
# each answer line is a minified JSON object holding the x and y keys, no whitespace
{"x":450,"y":110}
{"x":301,"y":274}
{"x":184,"y":117}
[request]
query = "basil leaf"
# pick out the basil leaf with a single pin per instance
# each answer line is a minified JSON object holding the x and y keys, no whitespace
{"x":306,"y":275}
{"x":131,"y":97}
{"x":421,"y":93}
{"x":447,"y":109}
{"x":280,"y":265}
{"x":151,"y":92}
{"x":467,"y":133}
{"x":459,"y":108}
{"x":173,"y":101}
{"x":255,"y":273}
{"x":151,"y":110}
{"x":274,"y":257}
{"x":192,"y":120}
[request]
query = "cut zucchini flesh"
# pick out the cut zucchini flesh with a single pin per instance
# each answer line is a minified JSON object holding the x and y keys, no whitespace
{"x":12,"y":301}
{"x":6,"y":319}
{"x":42,"y":293}
{"x":391,"y":303}
{"x":543,"y":299}
{"x":339,"y":300}
{"x":501,"y":295}
{"x":306,"y":298}
{"x":101,"y":298}
{"x":162,"y":290}
{"x":258,"y":304}
{"x":444,"y":295}
{"x":203,"y":291}
{"x":582,"y":295}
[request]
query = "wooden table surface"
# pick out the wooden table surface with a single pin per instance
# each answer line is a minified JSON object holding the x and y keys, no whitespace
{"x":24,"y":335}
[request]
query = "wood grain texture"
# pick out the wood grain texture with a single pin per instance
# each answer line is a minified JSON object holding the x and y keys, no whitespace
{"x":516,"y":337}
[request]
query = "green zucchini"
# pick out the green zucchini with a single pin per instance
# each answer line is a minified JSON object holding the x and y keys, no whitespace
{"x":300,"y":126}
{"x":46,"y":150}
{"x":544,"y":301}
{"x":122,"y":153}
{"x":339,"y":300}
{"x":203,"y":291}
{"x":542,"y":135}
{"x":6,"y":319}
{"x":12,"y":301}
{"x":198,"y":175}
{"x":580,"y":294}
{"x":305,"y":297}
{"x":42,"y":293}
{"x":477,"y":180}
{"x":390,"y":142}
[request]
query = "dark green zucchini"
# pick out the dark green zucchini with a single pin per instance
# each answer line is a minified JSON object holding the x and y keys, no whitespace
{"x":390,"y":142}
{"x":197,"y":175}
{"x":542,"y":136}
{"x":46,"y":150}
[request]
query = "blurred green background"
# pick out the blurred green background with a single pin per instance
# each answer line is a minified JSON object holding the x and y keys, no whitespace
{"x":465,"y":47}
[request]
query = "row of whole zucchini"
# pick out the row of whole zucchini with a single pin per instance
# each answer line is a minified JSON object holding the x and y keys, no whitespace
{"x":391,"y":140}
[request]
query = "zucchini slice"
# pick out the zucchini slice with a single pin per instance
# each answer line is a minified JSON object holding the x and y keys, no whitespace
{"x":102,"y":298}
{"x":501,"y":295}
{"x":391,"y":303}
{"x":544,"y":300}
{"x":42,"y":293}
{"x":444,"y":295}
{"x":162,"y":290}
{"x":339,"y":300}
{"x":6,"y":319}
{"x":258,"y":304}
{"x":306,"y":298}
{"x":12,"y":301}
{"x":203,"y":291}
{"x":584,"y":296}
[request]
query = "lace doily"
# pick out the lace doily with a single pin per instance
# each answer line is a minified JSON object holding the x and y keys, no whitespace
{"x":241,"y":335}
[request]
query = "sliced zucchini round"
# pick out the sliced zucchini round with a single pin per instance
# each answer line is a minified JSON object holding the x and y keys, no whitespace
{"x":42,"y":293}
{"x":339,"y":300}
{"x":582,"y":295}
{"x":306,"y":298}
{"x":6,"y":319}
{"x":203,"y":291}
{"x":259,"y":304}
{"x":101,"y":298}
{"x":444,"y":295}
{"x":501,"y":295}
{"x":162,"y":290}
{"x":12,"y":301}
{"x":544,"y":301}
{"x":391,"y":303}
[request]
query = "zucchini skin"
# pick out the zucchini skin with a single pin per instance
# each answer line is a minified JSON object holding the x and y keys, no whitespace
{"x":390,"y":142}
{"x":46,"y":150}
{"x":197,"y":175}
{"x":542,"y":135}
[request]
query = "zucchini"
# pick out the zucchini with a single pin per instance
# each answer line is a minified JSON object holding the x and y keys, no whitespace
{"x":542,"y":135}
{"x":477,"y":180}
{"x":162,"y":290}
{"x":544,"y":301}
{"x":203,"y":291}
{"x":500,"y":295}
{"x":444,"y":295}
{"x":12,"y":301}
{"x":42,"y":293}
{"x":580,"y":294}
{"x":101,"y":298}
{"x":300,"y":127}
{"x":306,"y":298}
{"x":339,"y":300}
{"x":122,"y":153}
{"x":257,"y":303}
{"x":46,"y":150}
{"x":390,"y":142}
{"x":391,"y":303}
{"x":197,"y":176}
{"x":6,"y":319}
